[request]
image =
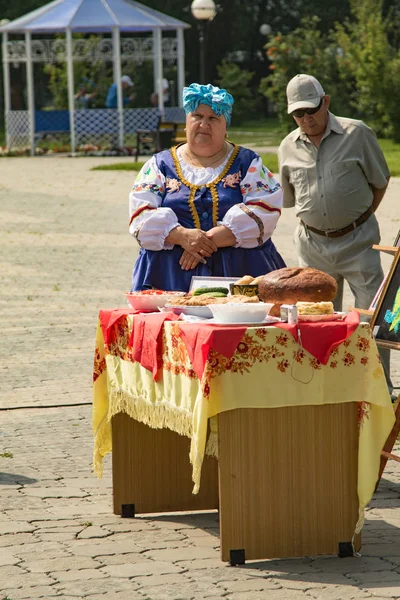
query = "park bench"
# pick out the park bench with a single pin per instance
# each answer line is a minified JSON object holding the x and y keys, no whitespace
{"x":165,"y":135}
{"x":49,"y":123}
{"x":180,"y":134}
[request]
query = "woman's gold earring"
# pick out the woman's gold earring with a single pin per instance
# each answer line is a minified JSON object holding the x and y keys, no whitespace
{"x":226,"y":136}
{"x":184,"y":129}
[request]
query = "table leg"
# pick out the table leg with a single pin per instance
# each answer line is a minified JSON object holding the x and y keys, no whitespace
{"x":287,"y":480}
{"x":151,"y":469}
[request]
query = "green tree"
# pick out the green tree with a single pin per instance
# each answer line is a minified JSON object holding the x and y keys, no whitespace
{"x":238,"y":83}
{"x":99,"y":72}
{"x":364,"y":61}
{"x":392,"y":84}
{"x":235,"y":29}
{"x":304,"y":50}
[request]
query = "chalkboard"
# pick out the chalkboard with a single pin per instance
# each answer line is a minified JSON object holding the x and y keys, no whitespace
{"x":385,"y":321}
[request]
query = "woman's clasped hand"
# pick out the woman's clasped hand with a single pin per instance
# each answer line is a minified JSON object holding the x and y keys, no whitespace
{"x":198,"y":244}
{"x":194,"y":241}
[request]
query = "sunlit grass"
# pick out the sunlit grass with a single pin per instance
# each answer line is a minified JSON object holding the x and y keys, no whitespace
{"x":262,"y":134}
{"x":125,"y":166}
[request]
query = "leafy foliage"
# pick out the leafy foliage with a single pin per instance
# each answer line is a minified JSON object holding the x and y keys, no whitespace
{"x":363,"y":60}
{"x":238,"y":82}
{"x":304,"y":50}
{"x":355,"y":63}
{"x":98,"y":72}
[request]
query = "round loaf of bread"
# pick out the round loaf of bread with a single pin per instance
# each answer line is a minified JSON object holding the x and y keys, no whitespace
{"x":297,"y":284}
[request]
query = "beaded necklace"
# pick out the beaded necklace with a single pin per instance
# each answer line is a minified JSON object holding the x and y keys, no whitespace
{"x":211,"y":186}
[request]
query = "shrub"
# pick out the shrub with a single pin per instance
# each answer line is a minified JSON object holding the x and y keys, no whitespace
{"x":237,"y":82}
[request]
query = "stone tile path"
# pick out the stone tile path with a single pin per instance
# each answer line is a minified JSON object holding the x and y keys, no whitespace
{"x":64,"y":254}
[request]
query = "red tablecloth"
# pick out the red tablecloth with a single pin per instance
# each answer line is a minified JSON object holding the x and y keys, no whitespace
{"x":146,"y":339}
{"x":108,"y":318}
{"x":318,"y":338}
{"x":321,"y":338}
{"x":200,"y":340}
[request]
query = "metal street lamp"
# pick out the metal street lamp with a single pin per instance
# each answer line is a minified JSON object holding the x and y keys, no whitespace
{"x":203,"y":11}
{"x":265,"y":29}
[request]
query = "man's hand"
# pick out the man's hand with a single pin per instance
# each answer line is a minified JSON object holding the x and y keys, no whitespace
{"x":378,"y":195}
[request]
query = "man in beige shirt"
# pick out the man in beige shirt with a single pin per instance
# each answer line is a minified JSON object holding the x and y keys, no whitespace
{"x":333,"y":172}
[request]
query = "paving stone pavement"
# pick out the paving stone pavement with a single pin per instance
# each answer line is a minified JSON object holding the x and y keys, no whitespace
{"x":64,"y":254}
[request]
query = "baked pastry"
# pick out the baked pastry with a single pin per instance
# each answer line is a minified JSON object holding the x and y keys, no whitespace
{"x":314,"y":308}
{"x":205,"y":300}
{"x":241,"y":298}
{"x":257,"y":280}
{"x":245,"y":279}
{"x":294,"y":284}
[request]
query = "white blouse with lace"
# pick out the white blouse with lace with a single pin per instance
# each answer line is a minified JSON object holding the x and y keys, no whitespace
{"x":262,"y":200}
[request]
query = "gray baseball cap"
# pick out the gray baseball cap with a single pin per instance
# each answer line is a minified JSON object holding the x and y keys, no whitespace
{"x":126,"y":79}
{"x":303,"y":91}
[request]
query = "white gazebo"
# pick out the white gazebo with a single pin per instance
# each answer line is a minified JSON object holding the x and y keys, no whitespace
{"x":98,"y":17}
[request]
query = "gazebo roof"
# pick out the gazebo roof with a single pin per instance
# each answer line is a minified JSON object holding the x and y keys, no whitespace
{"x":92,"y":16}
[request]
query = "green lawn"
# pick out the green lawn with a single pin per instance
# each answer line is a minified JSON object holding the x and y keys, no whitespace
{"x":262,"y":133}
{"x":264,"y":136}
{"x":270,"y":160}
{"x":131,"y":166}
{"x":391,"y":150}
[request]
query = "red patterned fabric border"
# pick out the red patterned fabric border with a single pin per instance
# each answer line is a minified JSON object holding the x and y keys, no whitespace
{"x":319,"y":338}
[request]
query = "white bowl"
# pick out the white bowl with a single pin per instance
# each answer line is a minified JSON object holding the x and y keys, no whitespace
{"x":240,"y":312}
{"x":150,"y":302}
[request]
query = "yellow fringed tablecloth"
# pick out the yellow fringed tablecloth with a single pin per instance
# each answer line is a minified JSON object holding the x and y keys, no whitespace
{"x":269,"y":369}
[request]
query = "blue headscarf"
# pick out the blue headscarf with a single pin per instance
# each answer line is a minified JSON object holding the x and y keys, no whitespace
{"x":219,"y":99}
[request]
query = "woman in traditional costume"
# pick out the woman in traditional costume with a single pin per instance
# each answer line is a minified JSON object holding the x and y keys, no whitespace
{"x":206,"y":207}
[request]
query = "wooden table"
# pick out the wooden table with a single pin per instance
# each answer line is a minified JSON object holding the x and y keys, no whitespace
{"x":287,"y":479}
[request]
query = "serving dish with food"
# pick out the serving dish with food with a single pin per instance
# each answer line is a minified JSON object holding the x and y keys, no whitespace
{"x":240,"y":312}
{"x":336,"y":316}
{"x":150,"y":300}
{"x":310,"y":290}
{"x":318,"y":311}
{"x":198,"y":302}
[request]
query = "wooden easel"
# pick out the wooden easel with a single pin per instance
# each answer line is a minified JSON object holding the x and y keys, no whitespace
{"x":386,"y":453}
{"x":390,"y":442}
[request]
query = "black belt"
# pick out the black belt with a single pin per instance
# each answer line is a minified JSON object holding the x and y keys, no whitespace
{"x":344,"y":230}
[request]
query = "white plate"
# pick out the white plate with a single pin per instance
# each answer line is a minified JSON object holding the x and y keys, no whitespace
{"x":196,"y":311}
{"x":337,"y":316}
{"x":249,"y":324}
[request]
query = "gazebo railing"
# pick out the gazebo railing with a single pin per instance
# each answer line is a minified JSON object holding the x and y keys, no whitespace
{"x":18,"y":129}
{"x":92,"y":126}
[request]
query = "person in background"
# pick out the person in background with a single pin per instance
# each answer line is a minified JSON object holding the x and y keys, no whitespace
{"x":206,"y":207}
{"x":333,"y":171}
{"x":112,"y":95}
{"x":166,"y":98}
{"x":86,"y":92}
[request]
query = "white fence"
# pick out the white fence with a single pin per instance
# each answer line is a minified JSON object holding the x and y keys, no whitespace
{"x":92,"y":126}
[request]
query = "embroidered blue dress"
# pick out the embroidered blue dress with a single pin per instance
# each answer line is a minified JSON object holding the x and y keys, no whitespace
{"x":244,"y":196}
